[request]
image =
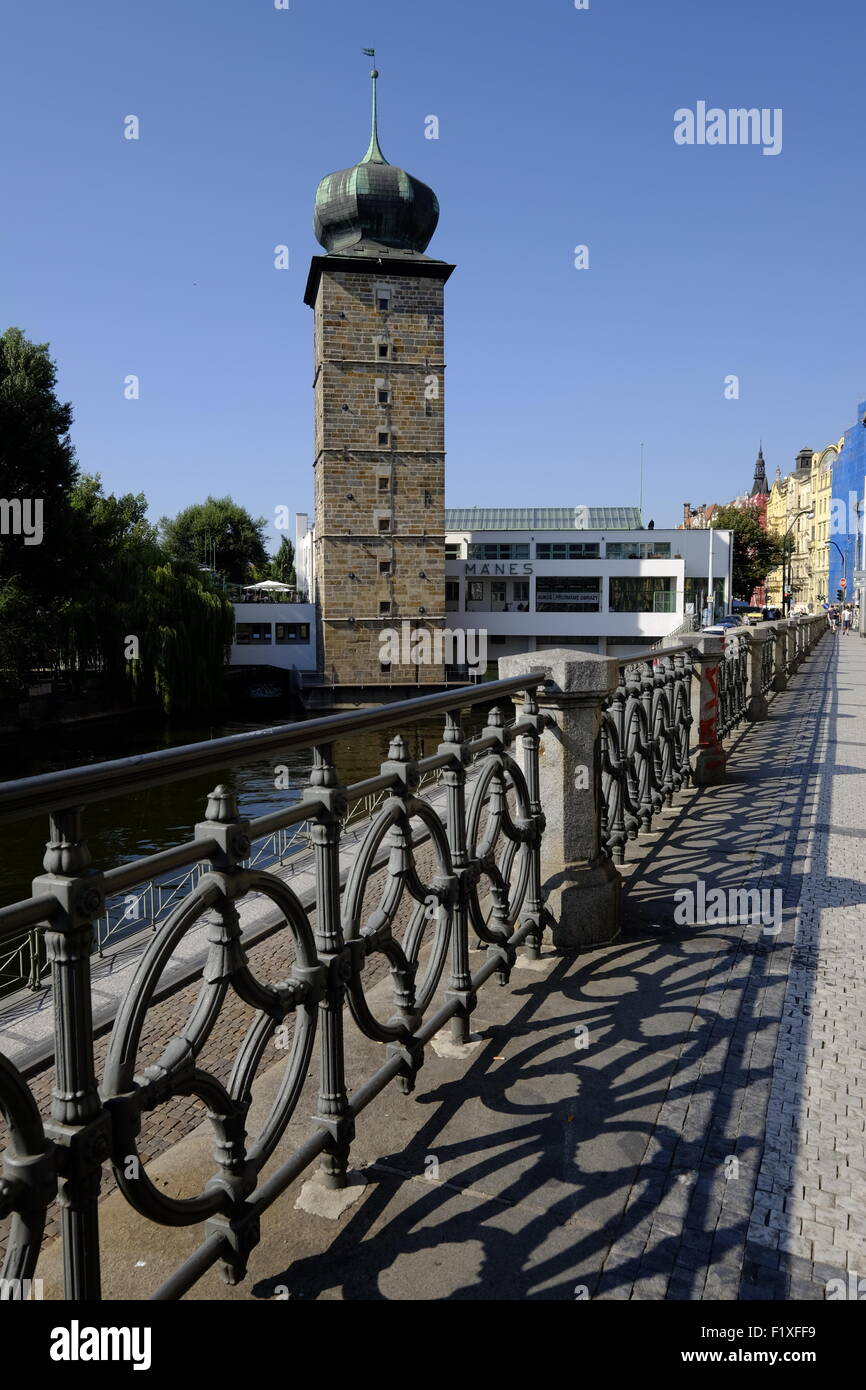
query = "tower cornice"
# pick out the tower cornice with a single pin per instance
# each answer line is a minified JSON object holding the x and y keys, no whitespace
{"x":393,"y":263}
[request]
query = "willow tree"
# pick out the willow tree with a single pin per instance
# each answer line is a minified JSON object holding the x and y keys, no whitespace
{"x":187,"y":635}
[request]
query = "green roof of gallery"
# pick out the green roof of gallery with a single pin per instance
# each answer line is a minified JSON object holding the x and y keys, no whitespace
{"x":578,"y":518}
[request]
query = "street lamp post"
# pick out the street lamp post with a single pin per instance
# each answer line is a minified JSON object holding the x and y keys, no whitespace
{"x":786,"y":603}
{"x":843,"y":558}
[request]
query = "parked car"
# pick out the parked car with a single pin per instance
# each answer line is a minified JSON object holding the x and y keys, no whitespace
{"x":724,"y":625}
{"x":753,"y":615}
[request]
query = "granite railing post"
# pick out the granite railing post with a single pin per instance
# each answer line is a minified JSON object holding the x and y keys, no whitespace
{"x":780,"y":656}
{"x":799,"y":645}
{"x":790,"y":646}
{"x":579,"y":880}
{"x":710,"y":758}
{"x":757,"y":708}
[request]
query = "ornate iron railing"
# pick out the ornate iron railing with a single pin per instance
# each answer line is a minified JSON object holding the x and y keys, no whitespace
{"x":486,"y":853}
{"x":24,"y":964}
{"x":645,"y":743}
{"x":733,"y":682}
{"x":768,"y":663}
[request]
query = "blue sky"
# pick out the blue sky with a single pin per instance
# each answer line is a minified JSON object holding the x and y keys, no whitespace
{"x":155,"y":257}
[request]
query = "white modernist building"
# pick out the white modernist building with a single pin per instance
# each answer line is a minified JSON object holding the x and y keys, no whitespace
{"x":269,"y":632}
{"x":592,"y":578}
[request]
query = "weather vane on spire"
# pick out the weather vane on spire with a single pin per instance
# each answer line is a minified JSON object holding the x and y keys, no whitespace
{"x":374,"y":153}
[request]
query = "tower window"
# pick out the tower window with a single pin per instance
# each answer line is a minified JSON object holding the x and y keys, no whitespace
{"x":384,"y":438}
{"x":383,"y":349}
{"x":384,"y":523}
{"x":383,"y":395}
{"x":383,"y":482}
{"x":384,"y":606}
{"x":384,"y":566}
{"x":383,"y":298}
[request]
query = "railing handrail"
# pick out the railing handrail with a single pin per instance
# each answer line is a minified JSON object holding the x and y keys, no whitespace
{"x":51,"y":791}
{"x":651,"y":653}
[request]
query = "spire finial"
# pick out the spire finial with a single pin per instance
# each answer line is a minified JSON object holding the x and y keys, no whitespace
{"x":374,"y":153}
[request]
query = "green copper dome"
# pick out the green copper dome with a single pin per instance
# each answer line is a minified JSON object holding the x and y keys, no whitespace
{"x":374,"y":203}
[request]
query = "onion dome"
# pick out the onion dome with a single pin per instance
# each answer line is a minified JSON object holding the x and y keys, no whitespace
{"x":374,"y":204}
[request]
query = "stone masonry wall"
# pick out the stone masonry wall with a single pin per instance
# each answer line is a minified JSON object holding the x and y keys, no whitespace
{"x":363,"y":482}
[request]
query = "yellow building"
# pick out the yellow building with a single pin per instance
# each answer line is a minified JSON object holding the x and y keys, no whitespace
{"x":799,"y":506}
{"x":822,"y":489}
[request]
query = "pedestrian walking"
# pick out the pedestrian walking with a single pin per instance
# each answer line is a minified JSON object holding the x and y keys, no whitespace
{"x":846,"y":622}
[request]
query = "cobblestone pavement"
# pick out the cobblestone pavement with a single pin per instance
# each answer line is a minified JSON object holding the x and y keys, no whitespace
{"x":677,"y":1115}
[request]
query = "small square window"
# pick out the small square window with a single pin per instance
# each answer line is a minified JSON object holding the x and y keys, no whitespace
{"x":383,"y":349}
{"x":384,"y":439}
{"x":383,"y":395}
{"x":383,"y":299}
{"x":383,"y":482}
{"x":384,"y":605}
{"x":384,"y":523}
{"x":384,"y":667}
{"x":384,"y":566}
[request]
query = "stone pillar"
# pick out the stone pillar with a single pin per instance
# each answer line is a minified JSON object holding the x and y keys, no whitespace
{"x":780,"y":657}
{"x":711,"y":758}
{"x":757,"y":709}
{"x":580,"y":883}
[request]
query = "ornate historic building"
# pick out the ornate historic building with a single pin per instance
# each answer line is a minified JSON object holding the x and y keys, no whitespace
{"x":800,"y":506}
{"x":379,"y":488}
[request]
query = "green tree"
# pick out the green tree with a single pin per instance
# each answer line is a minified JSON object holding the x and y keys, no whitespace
{"x":116,"y":551}
{"x":144,"y":618}
{"x":218,"y":532}
{"x":187,"y":633}
{"x":37,"y":467}
{"x":756,"y":551}
{"x":282,"y":565}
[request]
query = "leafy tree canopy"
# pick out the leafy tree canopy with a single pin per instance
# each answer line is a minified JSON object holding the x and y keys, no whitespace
{"x":217,"y":532}
{"x":283,"y":563}
{"x":756,"y":551}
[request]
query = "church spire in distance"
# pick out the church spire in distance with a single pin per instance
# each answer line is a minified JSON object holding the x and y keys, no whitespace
{"x":759,"y":486}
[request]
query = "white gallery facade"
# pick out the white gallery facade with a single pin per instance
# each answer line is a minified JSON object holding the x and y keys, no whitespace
{"x":592,"y":578}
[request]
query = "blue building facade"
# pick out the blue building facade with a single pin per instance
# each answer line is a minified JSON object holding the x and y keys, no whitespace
{"x":847,"y":512}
